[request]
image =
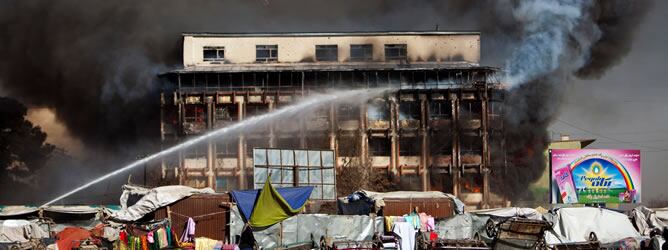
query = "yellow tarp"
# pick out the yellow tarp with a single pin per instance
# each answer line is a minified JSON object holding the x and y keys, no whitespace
{"x":271,"y":208}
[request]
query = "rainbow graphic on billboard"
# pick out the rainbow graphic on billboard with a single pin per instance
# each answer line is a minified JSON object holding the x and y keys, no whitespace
{"x":595,"y":175}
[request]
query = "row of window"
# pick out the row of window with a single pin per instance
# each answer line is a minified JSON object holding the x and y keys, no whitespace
{"x":323,"y":53}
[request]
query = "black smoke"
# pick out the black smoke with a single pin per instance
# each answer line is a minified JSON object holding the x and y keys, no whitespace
{"x":95,"y":62}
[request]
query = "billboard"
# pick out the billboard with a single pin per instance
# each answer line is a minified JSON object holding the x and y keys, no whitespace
{"x":295,"y":167}
{"x":595,"y":176}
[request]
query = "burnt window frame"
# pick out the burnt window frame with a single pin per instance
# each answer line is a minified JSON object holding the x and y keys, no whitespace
{"x":409,"y":146}
{"x":413,"y":108}
{"x":366,"y":51}
{"x":327,"y":53}
{"x":217,"y":49}
{"x":401,"y":54}
{"x":436,"y":110}
{"x":272,"y":53}
{"x":380,"y":146}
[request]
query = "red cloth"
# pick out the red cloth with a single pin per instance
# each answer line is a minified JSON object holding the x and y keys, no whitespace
{"x":70,"y":237}
{"x":433,"y":236}
{"x":123,"y":236}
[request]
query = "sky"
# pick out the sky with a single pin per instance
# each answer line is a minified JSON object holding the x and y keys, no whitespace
{"x":628,"y":107}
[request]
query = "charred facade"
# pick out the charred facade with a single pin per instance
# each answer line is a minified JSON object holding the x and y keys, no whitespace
{"x":442,"y":129}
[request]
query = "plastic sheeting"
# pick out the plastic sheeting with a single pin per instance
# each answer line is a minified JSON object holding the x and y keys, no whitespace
{"x":295,"y":196}
{"x":461,"y":226}
{"x":68,"y":209}
{"x":508,"y":212}
{"x":661,"y":214}
{"x":646,"y":220}
{"x":307,"y":227}
{"x":151,"y":200}
{"x":576,"y":223}
{"x":20,"y":231}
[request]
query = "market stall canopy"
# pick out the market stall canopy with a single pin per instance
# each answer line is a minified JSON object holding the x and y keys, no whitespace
{"x":267,"y":206}
{"x":150,"y":200}
{"x":575,"y":224}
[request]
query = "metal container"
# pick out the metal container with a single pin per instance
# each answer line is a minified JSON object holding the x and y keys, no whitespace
{"x":210,"y":212}
{"x":436,"y":207}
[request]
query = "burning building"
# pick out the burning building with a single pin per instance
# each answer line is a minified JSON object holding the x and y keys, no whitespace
{"x":441,"y":130}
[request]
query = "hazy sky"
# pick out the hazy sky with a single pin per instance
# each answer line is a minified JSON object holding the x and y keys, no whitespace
{"x":628,"y":107}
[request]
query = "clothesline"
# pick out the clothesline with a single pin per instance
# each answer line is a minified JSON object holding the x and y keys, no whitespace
{"x":197,"y":216}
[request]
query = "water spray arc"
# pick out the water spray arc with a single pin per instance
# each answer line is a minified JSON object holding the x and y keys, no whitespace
{"x":310,"y":102}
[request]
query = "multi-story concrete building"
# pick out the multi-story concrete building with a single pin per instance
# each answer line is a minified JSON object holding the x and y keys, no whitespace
{"x":436,"y":132}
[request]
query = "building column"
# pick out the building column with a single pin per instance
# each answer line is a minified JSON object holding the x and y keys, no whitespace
{"x":363,"y":142}
{"x":424,"y":149}
{"x":272,"y":128}
{"x":210,"y":151}
{"x":394,"y":135}
{"x":485,"y":152}
{"x":182,"y":163}
{"x":163,"y":165}
{"x":455,"y":170}
{"x":332,"y":134}
{"x":241,"y":150}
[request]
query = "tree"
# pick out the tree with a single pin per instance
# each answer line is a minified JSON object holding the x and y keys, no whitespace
{"x":22,"y":144}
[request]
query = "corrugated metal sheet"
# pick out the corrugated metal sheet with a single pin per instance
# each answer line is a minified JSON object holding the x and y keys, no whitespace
{"x":210,"y":212}
{"x":438,"y":208}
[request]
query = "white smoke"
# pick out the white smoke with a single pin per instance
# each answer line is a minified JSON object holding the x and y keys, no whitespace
{"x":558,"y":37}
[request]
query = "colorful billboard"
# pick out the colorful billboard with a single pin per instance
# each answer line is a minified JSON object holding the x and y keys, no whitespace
{"x":595,"y":175}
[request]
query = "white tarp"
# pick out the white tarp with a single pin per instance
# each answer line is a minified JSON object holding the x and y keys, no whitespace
{"x":576,"y":223}
{"x":646,"y":220}
{"x":152,"y":199}
{"x":508,"y":212}
{"x":20,"y":231}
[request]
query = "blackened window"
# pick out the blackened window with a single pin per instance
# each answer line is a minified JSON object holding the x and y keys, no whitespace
{"x":326,"y":53}
{"x":409,"y":146}
{"x":409,"y":110}
{"x":395,"y":52}
{"x":379,"y":147}
{"x":214,"y":53}
{"x":440,"y":110}
{"x":266,"y":53}
{"x":361,"y":52}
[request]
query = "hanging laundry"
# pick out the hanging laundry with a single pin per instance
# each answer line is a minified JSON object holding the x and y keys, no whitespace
{"x":406,"y":232}
{"x":168,"y":231}
{"x":149,"y":237}
{"x":413,"y":219}
{"x":189,"y":231}
{"x":203,"y":243}
{"x":426,"y":222}
{"x":144,"y":242}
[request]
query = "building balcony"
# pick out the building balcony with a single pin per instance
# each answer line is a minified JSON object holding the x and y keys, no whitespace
{"x":440,"y":124}
{"x":191,"y":128}
{"x":409,"y":124}
{"x":379,"y":125}
{"x":471,"y":159}
{"x":317,"y":123}
{"x":441,"y":161}
{"x":470,"y":123}
{"x":349,"y":125}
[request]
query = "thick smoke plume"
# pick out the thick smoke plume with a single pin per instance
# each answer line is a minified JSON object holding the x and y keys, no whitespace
{"x":95,"y":62}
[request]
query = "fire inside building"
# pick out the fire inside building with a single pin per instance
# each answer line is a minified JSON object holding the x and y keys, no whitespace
{"x":441,"y":130}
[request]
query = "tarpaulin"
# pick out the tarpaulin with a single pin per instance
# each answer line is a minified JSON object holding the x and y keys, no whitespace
{"x":303,"y":228}
{"x":272,"y":204}
{"x":70,"y":237}
{"x":151,"y":200}
{"x":575,"y":224}
{"x":508,"y":212}
{"x":646,"y":220}
{"x":20,"y":231}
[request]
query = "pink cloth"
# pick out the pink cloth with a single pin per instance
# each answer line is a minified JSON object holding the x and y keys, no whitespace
{"x":189,"y":232}
{"x":149,"y":237}
{"x":426,"y":222}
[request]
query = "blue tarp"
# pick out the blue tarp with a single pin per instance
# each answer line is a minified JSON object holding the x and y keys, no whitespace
{"x":295,"y":196}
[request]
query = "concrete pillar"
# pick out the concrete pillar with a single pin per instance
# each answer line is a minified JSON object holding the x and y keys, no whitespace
{"x":163,"y":167}
{"x":210,"y":151}
{"x":485,"y":151}
{"x":456,"y":166}
{"x":424,"y":149}
{"x":363,"y":141}
{"x":394,"y":135}
{"x":241,"y":152}
{"x":272,"y":128}
{"x":182,"y":166}
{"x":332,"y":134}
